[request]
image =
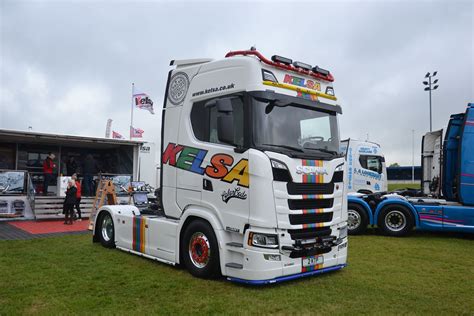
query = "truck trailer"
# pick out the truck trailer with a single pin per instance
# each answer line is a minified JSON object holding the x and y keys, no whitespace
{"x":447,"y":184}
{"x":252,"y":180}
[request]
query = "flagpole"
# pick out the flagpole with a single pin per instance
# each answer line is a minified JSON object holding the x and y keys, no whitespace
{"x":131,"y":113}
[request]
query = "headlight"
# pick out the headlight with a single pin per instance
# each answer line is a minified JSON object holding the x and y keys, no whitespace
{"x":278,"y":164}
{"x":263,"y":240}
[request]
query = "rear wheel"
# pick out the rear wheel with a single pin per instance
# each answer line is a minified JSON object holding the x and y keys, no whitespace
{"x":106,"y":230}
{"x":200,"y":251}
{"x":396,"y":220}
{"x":357,"y":219}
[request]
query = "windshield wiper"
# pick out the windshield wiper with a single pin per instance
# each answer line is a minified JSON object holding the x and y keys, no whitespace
{"x":332,"y":152}
{"x":286,"y":147}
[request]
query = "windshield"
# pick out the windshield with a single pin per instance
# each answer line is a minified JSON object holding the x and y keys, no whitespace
{"x":294,"y":128}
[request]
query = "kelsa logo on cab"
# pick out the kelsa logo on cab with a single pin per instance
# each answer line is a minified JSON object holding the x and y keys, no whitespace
{"x":301,"y":82}
{"x":190,"y":159}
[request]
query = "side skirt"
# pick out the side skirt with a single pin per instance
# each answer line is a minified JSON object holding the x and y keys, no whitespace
{"x":146,"y":256}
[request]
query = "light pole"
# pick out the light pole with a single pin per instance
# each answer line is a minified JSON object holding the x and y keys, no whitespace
{"x":429,"y":88}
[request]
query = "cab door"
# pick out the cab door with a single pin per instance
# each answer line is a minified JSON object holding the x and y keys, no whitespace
{"x":219,"y":128}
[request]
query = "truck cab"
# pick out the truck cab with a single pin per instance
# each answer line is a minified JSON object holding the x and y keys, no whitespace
{"x":251,"y":175}
{"x":366,"y":169}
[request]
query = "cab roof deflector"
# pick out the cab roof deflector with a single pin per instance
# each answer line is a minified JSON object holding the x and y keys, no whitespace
{"x":189,"y":62}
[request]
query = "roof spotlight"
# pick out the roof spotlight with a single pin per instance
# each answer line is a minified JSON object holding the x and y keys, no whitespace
{"x":301,"y":65}
{"x":321,"y":71}
{"x":281,"y":59}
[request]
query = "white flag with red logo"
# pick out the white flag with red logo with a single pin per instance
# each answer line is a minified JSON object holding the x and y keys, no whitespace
{"x":136,"y":132}
{"x":117,"y":135}
{"x":142,"y":101}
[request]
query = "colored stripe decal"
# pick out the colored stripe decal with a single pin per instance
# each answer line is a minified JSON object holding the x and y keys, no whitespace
{"x":138,"y":243}
{"x":313,"y":178}
{"x":299,"y":89}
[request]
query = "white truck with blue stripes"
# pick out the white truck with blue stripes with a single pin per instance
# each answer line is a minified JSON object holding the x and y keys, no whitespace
{"x":366,"y":169}
{"x":251,"y":174}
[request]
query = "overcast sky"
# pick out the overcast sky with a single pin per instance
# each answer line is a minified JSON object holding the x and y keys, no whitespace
{"x":67,"y":66}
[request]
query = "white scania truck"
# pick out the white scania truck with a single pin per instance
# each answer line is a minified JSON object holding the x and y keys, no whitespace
{"x":251,"y":174}
{"x":366,"y":170}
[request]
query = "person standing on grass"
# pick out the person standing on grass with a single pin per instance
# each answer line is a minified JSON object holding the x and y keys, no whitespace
{"x":48,"y":166}
{"x":69,"y":202}
{"x":78,"y":196}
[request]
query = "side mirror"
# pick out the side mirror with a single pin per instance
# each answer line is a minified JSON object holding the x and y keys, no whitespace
{"x":224,"y":105}
{"x":225,"y":129}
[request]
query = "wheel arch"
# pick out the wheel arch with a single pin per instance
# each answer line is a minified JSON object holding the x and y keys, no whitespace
{"x":113,"y":210}
{"x":364,"y":205}
{"x":404,"y":203}
{"x":194,"y":212}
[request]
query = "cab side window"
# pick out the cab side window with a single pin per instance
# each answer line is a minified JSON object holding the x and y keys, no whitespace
{"x":204,"y":117}
{"x":373,"y":163}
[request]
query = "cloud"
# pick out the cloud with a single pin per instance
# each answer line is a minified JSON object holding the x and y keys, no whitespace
{"x":66,"y":67}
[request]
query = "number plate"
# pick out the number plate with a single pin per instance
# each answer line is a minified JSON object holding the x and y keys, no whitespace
{"x":312,"y":261}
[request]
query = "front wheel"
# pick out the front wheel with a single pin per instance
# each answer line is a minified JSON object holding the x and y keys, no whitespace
{"x":395,"y":220}
{"x":106,"y":230}
{"x":357,"y":219}
{"x":200,"y":251}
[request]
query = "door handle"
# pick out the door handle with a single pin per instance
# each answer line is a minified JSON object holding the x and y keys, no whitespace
{"x":207,"y":185}
{"x":368,"y":182}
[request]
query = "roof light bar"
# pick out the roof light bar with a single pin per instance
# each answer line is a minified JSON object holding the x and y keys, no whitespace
{"x":321,"y":74}
{"x":304,"y":66}
{"x":281,"y":59}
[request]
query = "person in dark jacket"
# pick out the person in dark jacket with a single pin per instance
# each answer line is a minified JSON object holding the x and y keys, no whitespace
{"x":48,"y":166}
{"x":69,"y":202}
{"x":78,"y":197}
{"x":90,"y":168}
{"x":71,"y":166}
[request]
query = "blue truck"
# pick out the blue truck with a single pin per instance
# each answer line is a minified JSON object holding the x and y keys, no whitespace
{"x":447,"y":201}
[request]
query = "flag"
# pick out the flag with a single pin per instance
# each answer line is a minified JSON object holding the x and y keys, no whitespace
{"x":135,"y":132}
{"x":142,"y":101}
{"x":117,"y":135}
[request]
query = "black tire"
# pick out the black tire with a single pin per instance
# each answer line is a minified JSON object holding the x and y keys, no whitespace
{"x":357,"y":219}
{"x":395,"y":220}
{"x":106,"y":230}
{"x":200,"y":251}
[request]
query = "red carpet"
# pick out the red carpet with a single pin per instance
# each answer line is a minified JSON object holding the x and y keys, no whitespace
{"x":47,"y":227}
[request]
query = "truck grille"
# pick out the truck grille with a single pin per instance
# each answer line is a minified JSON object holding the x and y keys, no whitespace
{"x":297,"y":219}
{"x":310,"y":188}
{"x":308,"y":233}
{"x":310,"y":204}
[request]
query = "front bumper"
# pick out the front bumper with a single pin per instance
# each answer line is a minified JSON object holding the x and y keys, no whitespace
{"x":288,"y":277}
{"x":256,"y":269}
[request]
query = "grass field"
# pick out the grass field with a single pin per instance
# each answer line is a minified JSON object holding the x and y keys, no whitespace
{"x":423,"y":273}
{"x":396,"y":186}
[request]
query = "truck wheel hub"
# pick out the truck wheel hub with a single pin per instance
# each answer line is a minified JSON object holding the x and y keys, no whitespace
{"x":395,"y":220}
{"x":199,"y":250}
{"x":107,"y":228}
{"x":353,"y":219}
